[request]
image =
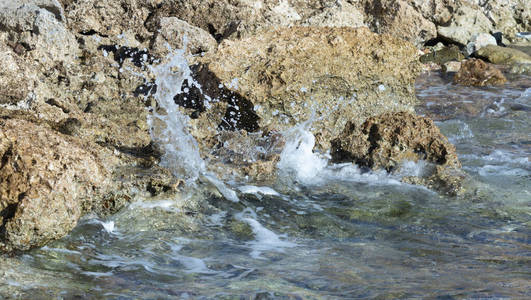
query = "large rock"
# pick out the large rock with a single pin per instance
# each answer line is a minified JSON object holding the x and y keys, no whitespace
{"x":233,"y":19}
{"x":503,"y":55}
{"x":279,"y":78}
{"x":438,"y":11}
{"x":39,"y":25}
{"x":476,"y":72}
{"x":507,"y":16}
{"x":466,"y":22}
{"x":76,"y":95}
{"x":47,"y":181}
{"x":400,"y":19}
{"x":388,"y":140}
{"x":15,"y":82}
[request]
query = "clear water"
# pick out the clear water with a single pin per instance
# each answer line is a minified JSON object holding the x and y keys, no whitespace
{"x":321,"y":232}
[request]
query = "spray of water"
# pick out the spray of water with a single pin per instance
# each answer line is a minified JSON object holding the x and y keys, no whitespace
{"x":169,"y":127}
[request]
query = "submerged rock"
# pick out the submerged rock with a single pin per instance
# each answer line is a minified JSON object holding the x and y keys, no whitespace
{"x":476,"y":72}
{"x":390,"y":139}
{"x":451,"y":67}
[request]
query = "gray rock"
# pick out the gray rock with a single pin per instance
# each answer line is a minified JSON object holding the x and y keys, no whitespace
{"x":173,"y":32}
{"x":479,"y":41}
{"x":466,"y":22}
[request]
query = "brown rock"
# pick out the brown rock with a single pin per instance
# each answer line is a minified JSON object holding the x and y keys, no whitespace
{"x":387,"y":140}
{"x":476,"y":72}
{"x":400,"y":19}
{"x":282,"y":77}
{"x":47,"y":181}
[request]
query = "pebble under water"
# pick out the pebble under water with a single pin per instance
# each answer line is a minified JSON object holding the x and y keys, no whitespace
{"x":330,"y":232}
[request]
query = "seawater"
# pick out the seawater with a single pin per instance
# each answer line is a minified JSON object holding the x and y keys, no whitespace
{"x":322,"y":230}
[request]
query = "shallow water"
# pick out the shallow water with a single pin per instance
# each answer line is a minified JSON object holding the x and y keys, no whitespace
{"x":324,"y":232}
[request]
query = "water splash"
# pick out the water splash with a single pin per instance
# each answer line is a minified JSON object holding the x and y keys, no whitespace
{"x":297,"y":157}
{"x":169,"y":128}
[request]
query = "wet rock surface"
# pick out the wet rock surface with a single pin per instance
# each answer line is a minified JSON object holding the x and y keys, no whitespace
{"x":336,"y":74}
{"x":79,"y":71}
{"x":388,"y":140}
{"x":478,"y":73}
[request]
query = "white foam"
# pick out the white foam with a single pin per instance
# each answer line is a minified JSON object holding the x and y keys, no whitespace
{"x":298,"y":158}
{"x":307,"y":167}
{"x":108,"y":226}
{"x":97,"y":274}
{"x":264,"y":190}
{"x":265,"y":239}
{"x":228,"y":193}
{"x":164,"y":204}
{"x":169,"y":129}
{"x":191,"y":264}
{"x":61,"y":250}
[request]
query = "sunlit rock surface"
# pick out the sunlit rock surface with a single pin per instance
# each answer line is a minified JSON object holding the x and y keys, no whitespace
{"x":330,"y":75}
{"x":479,"y":73}
{"x":388,"y":140}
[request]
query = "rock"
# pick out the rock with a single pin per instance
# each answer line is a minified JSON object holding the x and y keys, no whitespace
{"x":466,"y":22}
{"x":438,"y":11}
{"x":524,"y":69}
{"x":399,"y":19}
{"x":234,"y":19}
{"x":508,"y":17}
{"x":16,"y":81}
{"x":40,"y":29}
{"x":443,"y":56}
{"x":476,"y":72}
{"x":387,"y":140}
{"x":338,"y":14}
{"x":479,"y":41}
{"x":451,"y":67}
{"x":109,"y":18}
{"x":47,"y":181}
{"x":173,"y":32}
{"x":279,"y":78}
{"x":503,"y":55}
{"x":72,"y":92}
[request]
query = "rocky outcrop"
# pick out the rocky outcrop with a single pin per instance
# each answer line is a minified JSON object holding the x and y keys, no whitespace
{"x":76,"y":83}
{"x":234,"y":19}
{"x":476,"y":72}
{"x":70,"y":115}
{"x":282,"y":77}
{"x":388,"y":140}
{"x":47,"y":181}
{"x":507,"y":17}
